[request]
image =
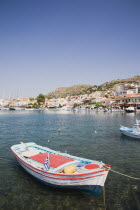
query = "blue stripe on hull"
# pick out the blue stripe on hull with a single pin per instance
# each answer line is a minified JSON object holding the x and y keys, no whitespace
{"x":92,"y":189}
{"x":130,"y":134}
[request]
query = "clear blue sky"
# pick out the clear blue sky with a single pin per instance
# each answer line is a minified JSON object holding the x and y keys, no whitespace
{"x":45,"y":44}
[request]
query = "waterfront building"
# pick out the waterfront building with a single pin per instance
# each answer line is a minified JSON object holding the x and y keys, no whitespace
{"x":108,"y":101}
{"x":5,"y":102}
{"x":55,"y":102}
{"x":128,"y":100}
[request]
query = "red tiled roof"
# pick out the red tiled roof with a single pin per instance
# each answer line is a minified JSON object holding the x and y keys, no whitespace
{"x":108,"y":99}
{"x":126,"y":95}
{"x":129,"y":95}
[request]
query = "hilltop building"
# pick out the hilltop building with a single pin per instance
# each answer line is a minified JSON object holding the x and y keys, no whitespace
{"x":126,"y":89}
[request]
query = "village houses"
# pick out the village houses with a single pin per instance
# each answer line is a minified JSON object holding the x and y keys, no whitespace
{"x":122,"y":95}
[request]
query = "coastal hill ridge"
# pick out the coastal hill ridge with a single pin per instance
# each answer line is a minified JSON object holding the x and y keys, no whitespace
{"x":82,"y":89}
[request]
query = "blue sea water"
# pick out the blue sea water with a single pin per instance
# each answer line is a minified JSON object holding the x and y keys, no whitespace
{"x":86,"y":134}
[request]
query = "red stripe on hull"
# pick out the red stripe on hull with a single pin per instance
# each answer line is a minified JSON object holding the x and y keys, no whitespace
{"x":55,"y":173}
{"x":63,"y":178}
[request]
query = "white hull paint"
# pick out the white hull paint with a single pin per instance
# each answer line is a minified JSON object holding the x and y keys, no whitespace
{"x":131,"y":132}
{"x":84,"y":181}
{"x":49,"y":179}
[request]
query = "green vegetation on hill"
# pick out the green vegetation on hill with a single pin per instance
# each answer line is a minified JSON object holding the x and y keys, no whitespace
{"x":72,"y":91}
{"x":113,"y":83}
{"x":88,"y":89}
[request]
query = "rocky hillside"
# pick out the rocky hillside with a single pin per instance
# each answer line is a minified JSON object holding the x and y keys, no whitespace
{"x":113,"y":83}
{"x":72,"y":91}
{"x":87,"y":89}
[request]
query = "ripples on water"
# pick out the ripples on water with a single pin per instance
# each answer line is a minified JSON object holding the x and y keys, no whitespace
{"x":90,"y":135}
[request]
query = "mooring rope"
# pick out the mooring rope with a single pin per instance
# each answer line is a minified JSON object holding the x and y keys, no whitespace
{"x":104,"y":197}
{"x":131,"y":177}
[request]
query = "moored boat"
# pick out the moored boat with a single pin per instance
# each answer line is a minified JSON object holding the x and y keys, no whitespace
{"x":17,"y":108}
{"x":132,"y":132}
{"x":61,"y":169}
{"x":12,"y":108}
{"x":40,"y":109}
{"x":4,"y":108}
{"x":29,"y":109}
{"x":130,"y":109}
{"x":116,"y":109}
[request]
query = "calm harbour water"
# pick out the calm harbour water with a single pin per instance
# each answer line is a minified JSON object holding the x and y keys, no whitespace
{"x":86,"y":134}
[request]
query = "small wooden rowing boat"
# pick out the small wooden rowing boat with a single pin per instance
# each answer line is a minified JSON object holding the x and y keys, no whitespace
{"x":61,"y":169}
{"x":133,"y":132}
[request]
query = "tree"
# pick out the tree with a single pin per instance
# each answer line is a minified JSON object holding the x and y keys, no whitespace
{"x":98,"y":103}
{"x":76,"y":104}
{"x":92,"y":103}
{"x":31,"y":99}
{"x":49,"y":97}
{"x":40,"y":99}
{"x":35,"y":106}
{"x":68,"y":98}
{"x":106,"y":96}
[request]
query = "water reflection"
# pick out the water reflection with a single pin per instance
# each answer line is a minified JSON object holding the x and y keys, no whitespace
{"x":74,"y":132}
